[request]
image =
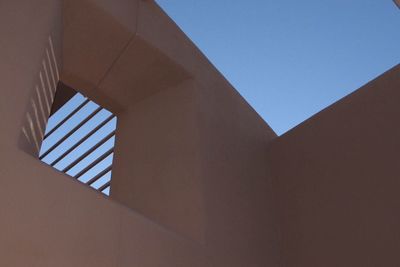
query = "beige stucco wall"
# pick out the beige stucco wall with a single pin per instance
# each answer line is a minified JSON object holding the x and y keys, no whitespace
{"x":29,"y":31}
{"x":157,"y":168}
{"x":50,"y":220}
{"x":198,"y":202}
{"x":193,"y":159}
{"x":199,"y":178}
{"x":47,"y":218}
{"x":337,"y":178}
{"x":192,"y":154}
{"x":237,"y":185}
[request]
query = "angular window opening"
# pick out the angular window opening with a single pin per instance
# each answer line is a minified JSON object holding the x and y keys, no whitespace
{"x":79,"y":139}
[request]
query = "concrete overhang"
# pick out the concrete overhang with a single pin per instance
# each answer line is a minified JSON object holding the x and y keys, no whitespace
{"x":106,"y":57}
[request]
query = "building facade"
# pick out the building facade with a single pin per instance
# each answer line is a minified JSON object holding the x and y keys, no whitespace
{"x":199,"y":179}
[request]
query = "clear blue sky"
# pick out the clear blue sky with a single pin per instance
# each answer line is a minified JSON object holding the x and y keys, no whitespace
{"x":290,"y":59}
{"x":84,"y":130}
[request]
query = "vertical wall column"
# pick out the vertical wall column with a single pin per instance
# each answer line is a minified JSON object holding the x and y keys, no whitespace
{"x":157,"y":166}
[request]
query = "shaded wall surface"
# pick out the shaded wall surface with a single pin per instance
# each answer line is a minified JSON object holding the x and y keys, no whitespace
{"x":48,"y":219}
{"x":30,"y":63}
{"x":189,"y":149}
{"x":189,"y":178}
{"x":337,"y":180}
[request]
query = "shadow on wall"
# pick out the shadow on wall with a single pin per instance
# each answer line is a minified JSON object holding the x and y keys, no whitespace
{"x":40,"y":102}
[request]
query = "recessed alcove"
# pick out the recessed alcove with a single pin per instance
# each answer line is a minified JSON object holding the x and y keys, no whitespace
{"x":79,"y":139}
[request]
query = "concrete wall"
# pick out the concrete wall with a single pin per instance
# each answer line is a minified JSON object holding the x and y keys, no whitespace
{"x":47,"y":218}
{"x":199,"y":179}
{"x":189,"y":170}
{"x":30,"y":48}
{"x":337,"y":181}
{"x":191,"y":154}
{"x":193,"y":159}
{"x":156,"y":168}
{"x":241,"y":225}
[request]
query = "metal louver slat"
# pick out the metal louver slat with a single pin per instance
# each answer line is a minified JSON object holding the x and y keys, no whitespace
{"x":88,"y":146}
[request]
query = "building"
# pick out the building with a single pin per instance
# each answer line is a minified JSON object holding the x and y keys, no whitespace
{"x":199,"y":179}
